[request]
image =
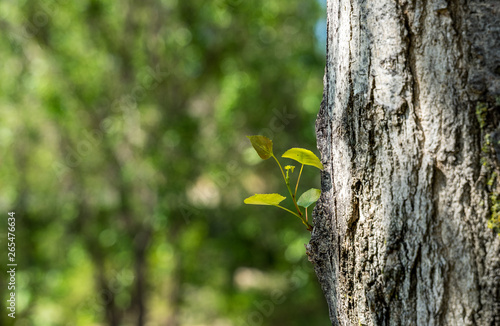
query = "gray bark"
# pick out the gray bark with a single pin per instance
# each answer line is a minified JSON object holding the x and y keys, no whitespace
{"x":401,"y":234}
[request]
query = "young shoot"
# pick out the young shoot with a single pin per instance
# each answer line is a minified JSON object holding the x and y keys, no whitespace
{"x":264,"y":148}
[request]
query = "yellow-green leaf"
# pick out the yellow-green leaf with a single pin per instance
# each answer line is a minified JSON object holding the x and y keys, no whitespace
{"x":303,"y":156}
{"x":309,"y":197}
{"x":263,"y":146}
{"x":264,"y":199}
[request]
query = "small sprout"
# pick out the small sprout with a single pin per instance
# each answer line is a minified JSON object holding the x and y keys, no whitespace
{"x":264,"y":147}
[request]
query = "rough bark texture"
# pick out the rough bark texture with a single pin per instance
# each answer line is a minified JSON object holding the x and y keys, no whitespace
{"x":401,"y":233}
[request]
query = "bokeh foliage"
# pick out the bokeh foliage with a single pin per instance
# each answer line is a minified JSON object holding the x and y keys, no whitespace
{"x":122,"y":133}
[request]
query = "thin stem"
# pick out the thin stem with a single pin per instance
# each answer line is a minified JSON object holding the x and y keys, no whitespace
{"x":289,"y":211}
{"x":306,"y":215}
{"x":288,"y":187}
{"x":308,"y":226}
{"x":294,"y":201}
{"x":297,"y":185}
{"x":283,"y":173}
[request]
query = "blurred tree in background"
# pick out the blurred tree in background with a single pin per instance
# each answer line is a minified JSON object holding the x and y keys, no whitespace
{"x":124,"y":156}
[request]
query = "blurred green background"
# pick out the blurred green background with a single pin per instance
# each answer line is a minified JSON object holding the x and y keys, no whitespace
{"x":124,"y":156}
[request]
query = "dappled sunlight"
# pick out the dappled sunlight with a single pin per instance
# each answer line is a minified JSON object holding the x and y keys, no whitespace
{"x":246,"y":278}
{"x":204,"y":193}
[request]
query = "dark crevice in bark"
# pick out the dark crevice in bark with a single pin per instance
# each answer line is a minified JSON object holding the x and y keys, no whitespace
{"x":460,"y":141}
{"x":456,"y":17}
{"x":350,"y":257}
{"x":413,"y":42}
{"x":435,"y":224}
{"x":438,"y":183}
{"x":443,"y":308}
{"x":412,"y":293}
{"x":353,"y":222}
{"x":380,"y":310}
{"x":353,"y":124}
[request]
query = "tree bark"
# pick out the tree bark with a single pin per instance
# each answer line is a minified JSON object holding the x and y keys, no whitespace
{"x":401,"y":234}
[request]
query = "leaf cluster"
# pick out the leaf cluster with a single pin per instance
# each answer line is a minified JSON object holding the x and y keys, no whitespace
{"x":264,"y":148}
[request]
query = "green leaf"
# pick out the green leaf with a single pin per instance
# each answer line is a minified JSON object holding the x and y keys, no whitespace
{"x":309,"y":197}
{"x":303,"y":156}
{"x":263,"y":146}
{"x":264,"y":199}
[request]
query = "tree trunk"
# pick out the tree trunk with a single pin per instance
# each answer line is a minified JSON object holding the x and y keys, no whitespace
{"x":405,"y":131}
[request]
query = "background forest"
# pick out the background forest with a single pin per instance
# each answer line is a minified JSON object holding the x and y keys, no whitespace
{"x":124,"y":156}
